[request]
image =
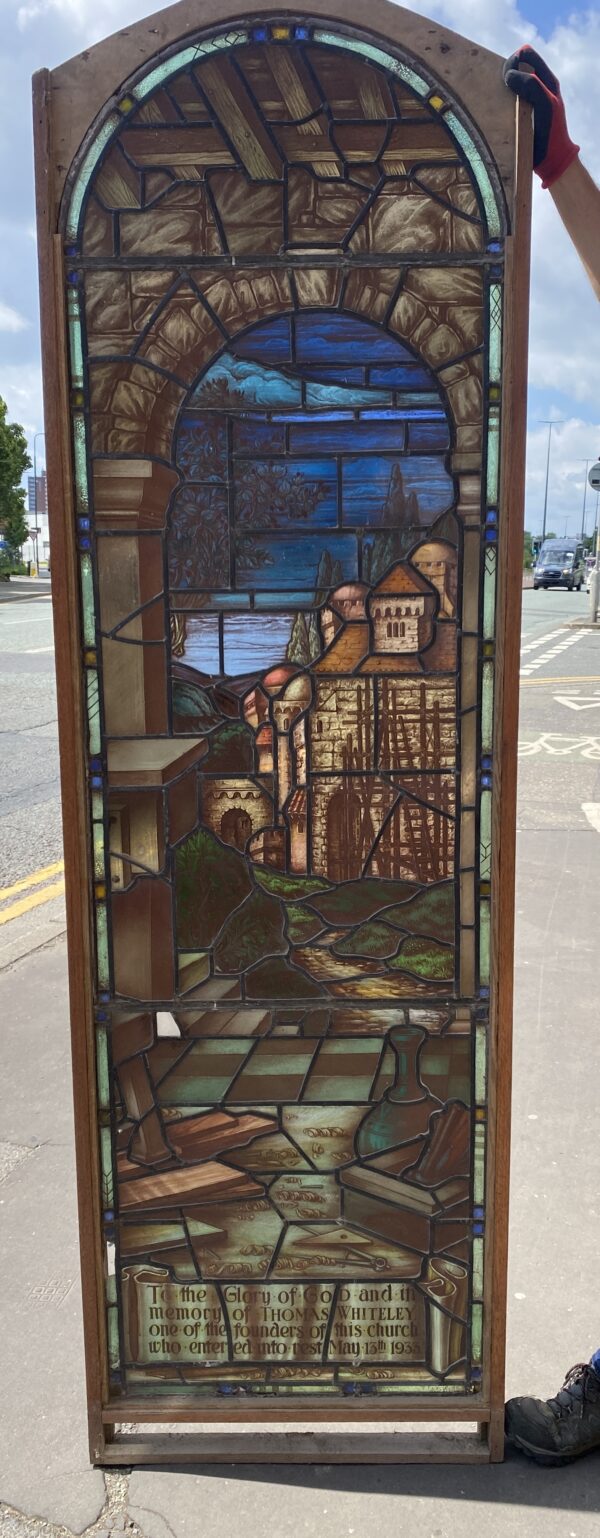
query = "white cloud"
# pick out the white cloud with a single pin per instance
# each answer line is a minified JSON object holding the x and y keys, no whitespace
{"x":10,"y":320}
{"x":92,"y":18}
{"x":572,"y":443}
{"x":21,"y":388}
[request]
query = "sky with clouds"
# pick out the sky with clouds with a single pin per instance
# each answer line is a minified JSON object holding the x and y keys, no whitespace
{"x":565,"y":318}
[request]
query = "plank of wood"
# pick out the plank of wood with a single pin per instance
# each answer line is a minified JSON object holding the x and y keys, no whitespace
{"x":296,"y":86}
{"x":189,"y":146}
{"x":151,"y":760}
{"x":196,"y":1137}
{"x":233,"y":104}
{"x":201,"y":1183}
{"x":405,"y":1407}
{"x":72,"y":735}
{"x":473,"y":73}
{"x":514,"y":418}
{"x":300,"y":1447}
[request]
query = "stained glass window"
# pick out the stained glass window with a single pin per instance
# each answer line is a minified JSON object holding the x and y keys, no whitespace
{"x":285,"y":296}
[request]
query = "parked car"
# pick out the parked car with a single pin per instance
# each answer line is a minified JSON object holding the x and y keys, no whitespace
{"x":560,"y":563}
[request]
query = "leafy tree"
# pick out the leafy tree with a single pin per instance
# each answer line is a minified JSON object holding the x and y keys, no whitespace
{"x":269,"y":494}
{"x":14,"y":461}
{"x":528,"y":556}
{"x":198,"y":539}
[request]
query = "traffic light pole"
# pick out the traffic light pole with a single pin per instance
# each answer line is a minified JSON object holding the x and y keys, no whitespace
{"x":594,"y":480}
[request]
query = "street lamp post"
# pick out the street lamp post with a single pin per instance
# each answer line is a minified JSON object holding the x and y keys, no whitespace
{"x":35,"y":500}
{"x":595,"y":574}
{"x":546,"y":422}
{"x":585,"y":487}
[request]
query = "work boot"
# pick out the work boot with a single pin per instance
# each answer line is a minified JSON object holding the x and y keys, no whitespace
{"x":555,"y":1431}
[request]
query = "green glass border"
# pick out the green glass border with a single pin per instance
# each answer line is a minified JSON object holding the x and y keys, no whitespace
{"x":106,"y":1166}
{"x":479,"y":1155}
{"x":476,"y":1332}
{"x":485,"y":836}
{"x":480,"y":1065}
{"x":102,"y":1068}
{"x":489,"y":592}
{"x":495,"y":297}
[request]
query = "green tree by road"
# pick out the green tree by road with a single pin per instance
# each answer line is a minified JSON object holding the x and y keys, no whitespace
{"x":14,"y":461}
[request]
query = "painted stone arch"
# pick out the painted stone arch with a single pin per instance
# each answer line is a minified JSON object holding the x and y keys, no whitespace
{"x":337,"y":151}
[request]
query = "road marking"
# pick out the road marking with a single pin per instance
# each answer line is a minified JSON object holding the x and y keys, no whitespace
{"x":558,"y":746}
{"x":537,"y":662}
{"x":592,"y":812}
{"x":33,"y":651}
{"x":579,"y":701}
{"x":565,"y":678}
{"x":35,"y":879}
{"x":36,"y":619}
{"x":541,"y":640}
{"x":26,"y":598}
{"x":33,"y":900}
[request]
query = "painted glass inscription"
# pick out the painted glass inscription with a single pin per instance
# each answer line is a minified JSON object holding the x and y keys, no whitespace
{"x":284,"y":266}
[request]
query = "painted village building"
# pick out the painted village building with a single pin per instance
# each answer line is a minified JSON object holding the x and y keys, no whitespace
{"x":355,"y":758}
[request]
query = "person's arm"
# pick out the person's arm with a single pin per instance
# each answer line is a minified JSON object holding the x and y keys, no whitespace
{"x":577,"y":199}
{"x":556,"y":157}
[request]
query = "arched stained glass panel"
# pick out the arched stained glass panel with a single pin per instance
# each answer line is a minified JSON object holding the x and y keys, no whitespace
{"x":285,"y":280}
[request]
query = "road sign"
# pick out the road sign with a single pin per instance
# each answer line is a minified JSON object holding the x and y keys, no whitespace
{"x":594,"y":476}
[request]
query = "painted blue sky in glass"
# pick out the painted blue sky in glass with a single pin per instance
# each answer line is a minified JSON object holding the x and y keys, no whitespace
{"x":248,"y":646}
{"x":324,"y":433}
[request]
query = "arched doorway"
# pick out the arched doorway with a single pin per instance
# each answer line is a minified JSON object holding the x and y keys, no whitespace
{"x":343,"y":836}
{"x":236,"y":827}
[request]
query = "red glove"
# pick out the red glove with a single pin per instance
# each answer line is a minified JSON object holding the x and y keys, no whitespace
{"x":553,"y":150}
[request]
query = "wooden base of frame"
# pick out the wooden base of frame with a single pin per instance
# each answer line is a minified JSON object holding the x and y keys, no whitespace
{"x":334,"y":1444}
{"x":299,"y":1447}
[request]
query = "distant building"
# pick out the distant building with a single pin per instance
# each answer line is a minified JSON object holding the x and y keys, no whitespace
{"x":37,"y":505}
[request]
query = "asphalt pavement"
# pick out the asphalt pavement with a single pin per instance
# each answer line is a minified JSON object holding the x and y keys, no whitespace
{"x":31,"y":876}
{"x":46,"y":1483}
{"x":559,"y":730}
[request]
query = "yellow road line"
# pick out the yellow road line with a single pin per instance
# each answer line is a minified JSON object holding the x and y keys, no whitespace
{"x":569,"y":678}
{"x":36,"y":877}
{"x":34,"y":900}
